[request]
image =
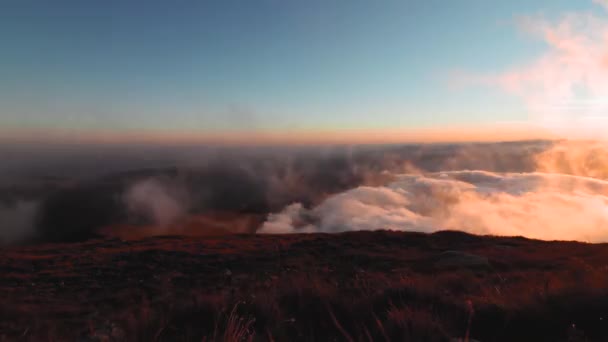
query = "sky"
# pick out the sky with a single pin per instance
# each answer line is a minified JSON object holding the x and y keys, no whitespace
{"x":286,"y":70}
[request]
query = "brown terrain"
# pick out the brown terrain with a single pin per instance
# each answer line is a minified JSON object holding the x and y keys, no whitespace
{"x":359,"y":286}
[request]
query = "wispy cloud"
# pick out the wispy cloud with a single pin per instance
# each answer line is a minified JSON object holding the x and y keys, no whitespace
{"x":602,"y":2}
{"x":564,"y":88}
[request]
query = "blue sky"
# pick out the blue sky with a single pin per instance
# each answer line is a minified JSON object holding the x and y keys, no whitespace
{"x":250,"y":65}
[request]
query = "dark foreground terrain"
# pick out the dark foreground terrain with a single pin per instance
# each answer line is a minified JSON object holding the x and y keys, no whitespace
{"x":364,"y":286}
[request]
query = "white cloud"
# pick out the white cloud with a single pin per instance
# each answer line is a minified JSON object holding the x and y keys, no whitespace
{"x":536,"y":205}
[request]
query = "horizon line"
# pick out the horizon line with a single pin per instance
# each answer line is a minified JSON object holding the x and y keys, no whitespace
{"x":498,"y":132}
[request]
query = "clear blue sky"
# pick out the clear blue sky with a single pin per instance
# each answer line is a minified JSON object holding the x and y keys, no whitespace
{"x":258,"y":64}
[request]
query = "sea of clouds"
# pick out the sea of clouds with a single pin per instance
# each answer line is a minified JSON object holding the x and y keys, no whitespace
{"x":542,"y":190}
{"x":566,"y":198}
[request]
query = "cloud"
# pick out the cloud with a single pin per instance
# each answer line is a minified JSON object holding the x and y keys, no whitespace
{"x":155,"y":202}
{"x":286,"y":221}
{"x":602,"y":3}
{"x":580,"y":158}
{"x":535,"y":205}
{"x":565,"y":88}
{"x":422,"y":187}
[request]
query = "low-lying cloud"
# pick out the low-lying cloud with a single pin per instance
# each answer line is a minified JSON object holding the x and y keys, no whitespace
{"x":535,"y":205}
{"x":155,"y":202}
{"x":579,"y":158}
{"x":538,"y":189}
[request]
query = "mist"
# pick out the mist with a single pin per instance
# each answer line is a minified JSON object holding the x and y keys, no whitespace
{"x":534,"y":205}
{"x":564,"y":198}
{"x":17,"y":221}
{"x":538,"y":189}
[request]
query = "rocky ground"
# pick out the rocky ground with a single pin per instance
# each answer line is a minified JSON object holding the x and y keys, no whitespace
{"x":361,"y":286}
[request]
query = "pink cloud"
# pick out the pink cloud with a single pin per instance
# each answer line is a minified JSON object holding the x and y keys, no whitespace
{"x":567,"y":86}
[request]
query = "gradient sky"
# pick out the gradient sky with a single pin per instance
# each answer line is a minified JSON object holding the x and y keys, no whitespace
{"x":272,"y":65}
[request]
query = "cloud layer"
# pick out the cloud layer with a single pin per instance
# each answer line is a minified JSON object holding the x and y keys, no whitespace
{"x":535,"y":205}
{"x":547,"y":190}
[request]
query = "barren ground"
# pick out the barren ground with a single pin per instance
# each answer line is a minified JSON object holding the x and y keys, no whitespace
{"x":361,"y":286}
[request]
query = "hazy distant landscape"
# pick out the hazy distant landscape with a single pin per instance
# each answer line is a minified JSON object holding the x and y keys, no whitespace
{"x":73,"y":193}
{"x":265,"y":170}
{"x":484,"y":188}
{"x":231,"y":244}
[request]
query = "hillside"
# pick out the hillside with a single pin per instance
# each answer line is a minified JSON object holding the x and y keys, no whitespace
{"x":358,"y":286}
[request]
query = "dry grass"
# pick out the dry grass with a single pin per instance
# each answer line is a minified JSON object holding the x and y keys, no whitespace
{"x":363,"y":286}
{"x":238,"y":329}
